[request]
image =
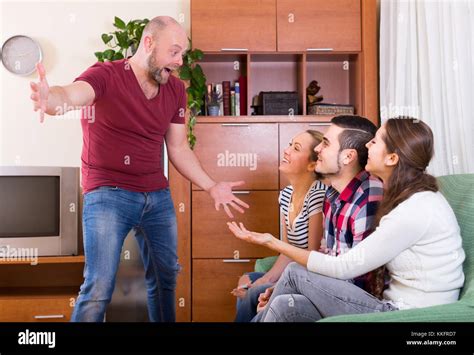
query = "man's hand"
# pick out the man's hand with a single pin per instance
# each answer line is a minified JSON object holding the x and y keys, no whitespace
{"x":251,"y":237}
{"x":264,"y":298}
{"x":40,"y":92}
{"x":222,"y":195}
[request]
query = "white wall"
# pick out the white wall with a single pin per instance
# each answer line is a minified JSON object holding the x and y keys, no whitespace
{"x":69,"y":34}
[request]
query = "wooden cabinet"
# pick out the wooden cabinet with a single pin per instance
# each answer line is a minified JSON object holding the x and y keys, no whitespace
{"x":230,"y":151}
{"x":229,"y":25}
{"x":33,"y":305}
{"x":213,"y":279}
{"x":271,"y":25}
{"x":235,"y":158}
{"x":211,"y":236}
{"x":180,"y":189}
{"x":45,"y":292}
{"x":318,"y":25}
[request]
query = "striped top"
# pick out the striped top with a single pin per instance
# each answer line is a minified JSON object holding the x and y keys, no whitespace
{"x":313,"y":203}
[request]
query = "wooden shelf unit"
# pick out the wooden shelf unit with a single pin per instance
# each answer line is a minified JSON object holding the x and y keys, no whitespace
{"x":337,"y":75}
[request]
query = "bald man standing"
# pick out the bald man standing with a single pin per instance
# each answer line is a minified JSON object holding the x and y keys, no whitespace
{"x":138,"y":105}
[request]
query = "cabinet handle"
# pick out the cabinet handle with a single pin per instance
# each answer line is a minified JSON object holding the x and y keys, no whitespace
{"x":236,"y":260}
{"x":234,"y":124}
{"x":319,"y":49}
{"x":234,"y":49}
{"x":318,"y":124}
{"x":241,"y":192}
{"x":51,"y":316}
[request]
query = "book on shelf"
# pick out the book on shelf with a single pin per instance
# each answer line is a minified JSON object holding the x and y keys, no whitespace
{"x":209,"y":91}
{"x":237,"y":99}
{"x":243,"y":95}
{"x":226,"y":97}
{"x":232,"y":102}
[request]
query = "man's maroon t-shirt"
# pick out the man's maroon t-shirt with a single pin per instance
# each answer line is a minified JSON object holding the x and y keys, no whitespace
{"x":123,"y":131}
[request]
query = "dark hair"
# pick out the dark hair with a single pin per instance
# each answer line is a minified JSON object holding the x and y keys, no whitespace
{"x":358,"y":131}
{"x":412,"y":141}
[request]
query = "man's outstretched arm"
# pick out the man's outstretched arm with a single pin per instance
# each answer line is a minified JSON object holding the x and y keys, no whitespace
{"x":57,"y":100}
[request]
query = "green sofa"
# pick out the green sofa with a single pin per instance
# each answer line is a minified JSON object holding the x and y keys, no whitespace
{"x":459,"y":191}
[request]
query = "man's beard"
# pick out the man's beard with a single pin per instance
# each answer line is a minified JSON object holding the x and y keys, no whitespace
{"x":331,"y":173}
{"x":155,"y":72}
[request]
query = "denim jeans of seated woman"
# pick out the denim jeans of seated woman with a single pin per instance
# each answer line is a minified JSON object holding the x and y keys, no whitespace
{"x":304,"y":296}
{"x":109,"y":214}
{"x":247,"y":306}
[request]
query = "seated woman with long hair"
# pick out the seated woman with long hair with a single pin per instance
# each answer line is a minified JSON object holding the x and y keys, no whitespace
{"x":417,"y":240}
{"x":301,"y":205}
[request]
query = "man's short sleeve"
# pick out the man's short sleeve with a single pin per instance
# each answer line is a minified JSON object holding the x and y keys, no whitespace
{"x":97,"y":76}
{"x":179,"y":116}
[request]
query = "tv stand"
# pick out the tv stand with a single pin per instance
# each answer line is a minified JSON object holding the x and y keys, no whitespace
{"x":45,"y":292}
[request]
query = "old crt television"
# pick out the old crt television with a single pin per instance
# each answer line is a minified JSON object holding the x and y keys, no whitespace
{"x":39,"y":209}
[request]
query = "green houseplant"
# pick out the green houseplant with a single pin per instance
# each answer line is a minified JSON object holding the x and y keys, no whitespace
{"x":124,"y":42}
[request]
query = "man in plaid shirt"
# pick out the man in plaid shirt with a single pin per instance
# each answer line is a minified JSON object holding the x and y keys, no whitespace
{"x":352,"y":200}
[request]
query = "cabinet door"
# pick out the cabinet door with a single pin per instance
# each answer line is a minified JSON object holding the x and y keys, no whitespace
{"x":233,"y":152}
{"x":34,"y":309}
{"x":219,"y":25}
{"x":213,"y":239}
{"x":213,"y":280}
{"x":290,"y":130}
{"x":318,"y":25}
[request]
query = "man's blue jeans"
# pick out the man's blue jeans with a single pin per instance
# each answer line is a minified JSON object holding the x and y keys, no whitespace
{"x":108,"y":216}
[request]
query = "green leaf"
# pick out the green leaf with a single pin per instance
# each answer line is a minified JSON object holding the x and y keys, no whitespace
{"x":122,"y":39}
{"x":99,"y":56}
{"x":109,"y":54}
{"x":198,"y":54}
{"x":139,"y":33}
{"x":119,"y":23}
{"x":117,"y":56}
{"x":198,"y":70}
{"x":185,"y":73}
{"x":106,"y":38}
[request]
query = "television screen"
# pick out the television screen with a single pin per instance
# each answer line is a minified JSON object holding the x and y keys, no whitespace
{"x":29,"y":206}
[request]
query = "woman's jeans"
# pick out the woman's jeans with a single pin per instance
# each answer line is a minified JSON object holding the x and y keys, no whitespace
{"x":108,"y":216}
{"x":304,"y":296}
{"x":247,"y":306}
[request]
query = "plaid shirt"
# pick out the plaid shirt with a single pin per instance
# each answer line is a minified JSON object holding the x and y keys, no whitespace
{"x":349,"y":216}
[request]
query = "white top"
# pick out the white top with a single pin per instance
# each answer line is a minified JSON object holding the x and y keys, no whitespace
{"x":420,"y":243}
{"x":297,"y":232}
